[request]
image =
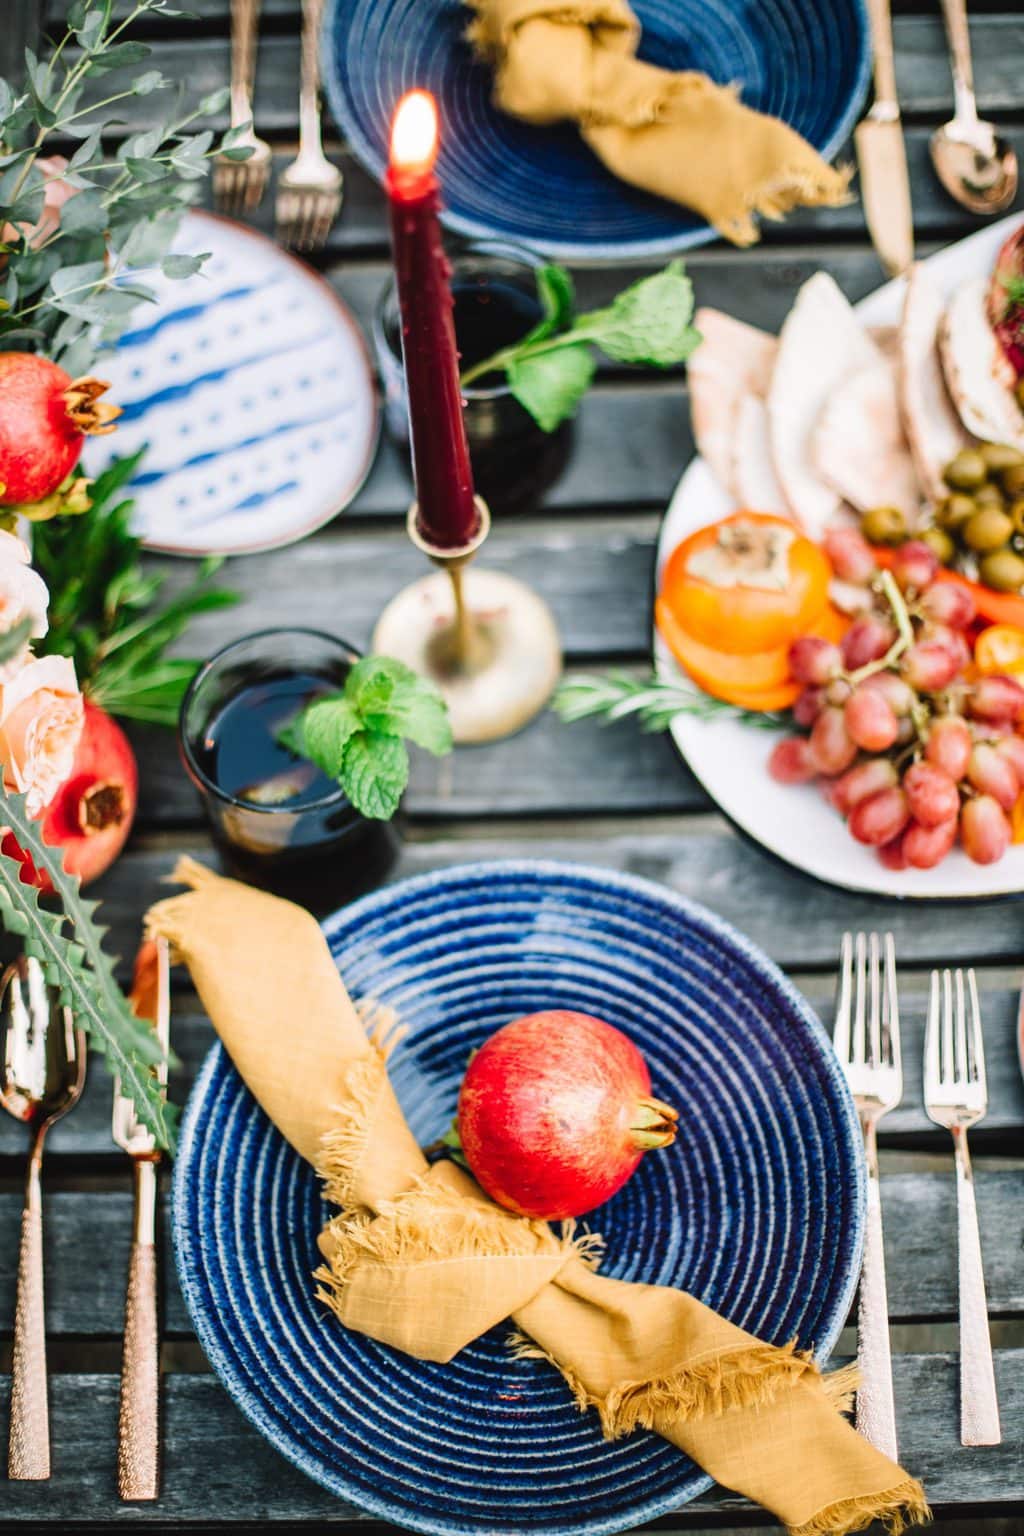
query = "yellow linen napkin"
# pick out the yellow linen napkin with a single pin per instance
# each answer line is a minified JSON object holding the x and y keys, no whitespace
{"x":675,"y":134}
{"x":418,"y":1258}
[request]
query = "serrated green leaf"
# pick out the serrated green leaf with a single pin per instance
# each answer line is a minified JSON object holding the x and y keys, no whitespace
{"x":649,"y":322}
{"x":374,"y":773}
{"x":557,"y":294}
{"x":327,"y":727}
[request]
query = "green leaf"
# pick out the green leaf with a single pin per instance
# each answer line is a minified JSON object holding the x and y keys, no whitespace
{"x":13,"y":640}
{"x":648,"y":323}
{"x":325,"y":729}
{"x":374,"y":773}
{"x":416,"y":709}
{"x":215,"y":103}
{"x":177,"y":265}
{"x":84,"y":213}
{"x":551,"y":385}
{"x":149,"y":82}
{"x":558,"y":296}
{"x":80,"y":967}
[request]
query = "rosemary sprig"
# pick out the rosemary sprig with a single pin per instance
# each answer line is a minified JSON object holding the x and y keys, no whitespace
{"x":655,"y":704}
{"x":78,"y":965}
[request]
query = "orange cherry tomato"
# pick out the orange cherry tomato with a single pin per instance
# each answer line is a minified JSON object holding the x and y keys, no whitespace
{"x":760,"y":681}
{"x":744,"y":619}
{"x":1000,"y":648}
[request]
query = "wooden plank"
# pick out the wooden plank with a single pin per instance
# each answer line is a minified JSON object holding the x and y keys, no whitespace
{"x":217,"y":1468}
{"x":85,"y":1134}
{"x":797,"y":920}
{"x":20,"y":30}
{"x":923,"y":77}
{"x":87,"y":1236}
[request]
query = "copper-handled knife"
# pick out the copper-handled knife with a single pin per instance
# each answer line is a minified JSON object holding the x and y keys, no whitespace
{"x":882,"y":155}
{"x":138,"y":1439}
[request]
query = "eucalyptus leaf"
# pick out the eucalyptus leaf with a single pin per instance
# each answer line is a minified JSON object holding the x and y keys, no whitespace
{"x":84,"y":213}
{"x":178,"y":265}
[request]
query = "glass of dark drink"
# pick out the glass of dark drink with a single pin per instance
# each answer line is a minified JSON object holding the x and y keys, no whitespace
{"x":495,"y":304}
{"x":278,"y":821}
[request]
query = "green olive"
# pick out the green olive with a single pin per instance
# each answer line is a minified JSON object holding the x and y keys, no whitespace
{"x":1003,"y":570}
{"x":955,"y":510}
{"x":1000,"y":456}
{"x":940,"y":541}
{"x":989,"y":496}
{"x":1013,"y":480}
{"x":1015,"y":511}
{"x":884,"y":525}
{"x":988,"y":529}
{"x":967,"y":471}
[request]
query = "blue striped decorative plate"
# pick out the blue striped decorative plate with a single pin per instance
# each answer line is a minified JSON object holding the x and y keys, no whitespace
{"x":251,"y":384}
{"x":806,"y":61}
{"x":757,"y":1209}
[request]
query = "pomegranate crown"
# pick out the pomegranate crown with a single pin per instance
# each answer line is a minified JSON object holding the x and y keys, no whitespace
{"x":91,"y":415}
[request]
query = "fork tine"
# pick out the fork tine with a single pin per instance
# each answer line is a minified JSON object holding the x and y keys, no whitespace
{"x":931,"y":1040}
{"x":874,"y":1048}
{"x":891,"y":1008}
{"x":841,"y":1030}
{"x":961,"y":1068}
{"x":860,"y":1004}
{"x":946,"y":1059}
{"x":977,"y":1038}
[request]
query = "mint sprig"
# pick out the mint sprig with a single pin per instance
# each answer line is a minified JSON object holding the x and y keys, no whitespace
{"x":358,"y":736}
{"x":550,"y":369}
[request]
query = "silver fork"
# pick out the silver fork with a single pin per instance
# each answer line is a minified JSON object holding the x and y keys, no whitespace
{"x":867,"y":1042}
{"x":955,"y":1096}
{"x":238,"y":185}
{"x":309,"y":190}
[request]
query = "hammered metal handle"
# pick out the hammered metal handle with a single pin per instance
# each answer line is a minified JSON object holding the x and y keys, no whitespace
{"x":876,"y":1410}
{"x":138,"y":1437}
{"x":979,"y":1405}
{"x":28,"y":1456}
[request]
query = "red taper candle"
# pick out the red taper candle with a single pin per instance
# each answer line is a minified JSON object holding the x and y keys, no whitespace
{"x":447,"y":515}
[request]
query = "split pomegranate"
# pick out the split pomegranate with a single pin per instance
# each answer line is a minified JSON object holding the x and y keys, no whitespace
{"x":555,"y":1114}
{"x":91,"y":814}
{"x":1006,"y":299}
{"x":45,"y":417}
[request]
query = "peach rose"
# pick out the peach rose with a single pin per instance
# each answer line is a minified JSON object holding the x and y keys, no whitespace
{"x":23,"y":595}
{"x":55,"y":194}
{"x":41,"y":719}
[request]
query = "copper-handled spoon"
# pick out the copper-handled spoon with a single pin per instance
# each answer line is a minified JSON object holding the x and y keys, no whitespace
{"x":42,"y":1073}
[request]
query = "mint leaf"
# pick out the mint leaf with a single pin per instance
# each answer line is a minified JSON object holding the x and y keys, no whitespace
{"x":417,"y":710}
{"x":649,"y":322}
{"x":324,"y":730}
{"x":374,"y":772}
{"x":551,"y":385}
{"x":558,"y":296}
{"x":372,"y":681}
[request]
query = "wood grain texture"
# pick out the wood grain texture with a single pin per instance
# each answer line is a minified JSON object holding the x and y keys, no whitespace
{"x":217,"y":1467}
{"x":88,"y":1241}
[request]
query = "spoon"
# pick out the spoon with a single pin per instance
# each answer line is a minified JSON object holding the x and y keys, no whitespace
{"x":42,"y":1073}
{"x":975,"y":164}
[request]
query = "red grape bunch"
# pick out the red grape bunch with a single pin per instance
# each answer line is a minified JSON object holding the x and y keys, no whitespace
{"x":911,"y":751}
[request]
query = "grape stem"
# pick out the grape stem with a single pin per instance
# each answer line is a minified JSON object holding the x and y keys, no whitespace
{"x":904,"y":633}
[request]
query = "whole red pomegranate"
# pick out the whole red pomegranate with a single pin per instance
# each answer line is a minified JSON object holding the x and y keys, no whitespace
{"x":45,"y":417}
{"x":1006,"y":299}
{"x":555,"y":1113}
{"x":91,"y":814}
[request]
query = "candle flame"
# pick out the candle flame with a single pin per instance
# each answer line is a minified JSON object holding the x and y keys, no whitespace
{"x":414,"y":135}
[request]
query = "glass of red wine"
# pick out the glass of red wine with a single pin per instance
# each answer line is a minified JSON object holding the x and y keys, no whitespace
{"x":494,"y":293}
{"x":278,"y":821}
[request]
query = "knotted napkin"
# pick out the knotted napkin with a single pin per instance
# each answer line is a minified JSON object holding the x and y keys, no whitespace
{"x":418,"y":1258}
{"x":676,"y":134}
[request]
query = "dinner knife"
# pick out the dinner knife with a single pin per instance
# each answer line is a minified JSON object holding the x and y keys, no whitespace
{"x":882,"y":155}
{"x":138,"y":1436}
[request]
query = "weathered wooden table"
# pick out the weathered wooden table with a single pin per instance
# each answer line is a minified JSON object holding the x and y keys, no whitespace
{"x":609,"y":797}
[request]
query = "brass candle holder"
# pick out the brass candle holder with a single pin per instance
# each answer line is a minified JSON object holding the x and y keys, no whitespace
{"x":487,"y":640}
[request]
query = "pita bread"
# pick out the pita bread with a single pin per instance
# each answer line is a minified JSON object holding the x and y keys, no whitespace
{"x":931,"y":421}
{"x":734,"y":359}
{"x":754,"y":481}
{"x":979,"y":374}
{"x":859,"y":446}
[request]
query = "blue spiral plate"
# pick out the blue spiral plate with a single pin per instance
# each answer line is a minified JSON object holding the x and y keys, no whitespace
{"x":806,"y":61}
{"x":757,"y":1209}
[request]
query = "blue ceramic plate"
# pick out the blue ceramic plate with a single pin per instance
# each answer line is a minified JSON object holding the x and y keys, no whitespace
{"x":251,"y":384}
{"x":806,"y":61}
{"x":757,"y":1209}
